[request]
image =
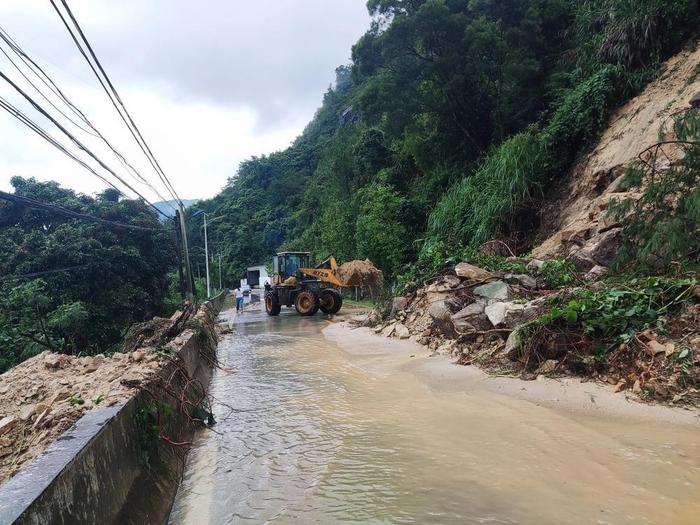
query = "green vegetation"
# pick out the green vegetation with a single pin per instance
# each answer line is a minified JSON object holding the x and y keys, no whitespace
{"x":451,"y":122}
{"x":604,"y":317}
{"x":119,"y":276}
{"x":663,"y":226}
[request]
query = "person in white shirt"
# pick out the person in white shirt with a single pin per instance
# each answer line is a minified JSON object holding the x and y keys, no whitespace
{"x":239,"y":299}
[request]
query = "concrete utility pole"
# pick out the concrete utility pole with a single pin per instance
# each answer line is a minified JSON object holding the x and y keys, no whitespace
{"x":186,"y":250}
{"x":206,"y":255}
{"x":206,"y":249}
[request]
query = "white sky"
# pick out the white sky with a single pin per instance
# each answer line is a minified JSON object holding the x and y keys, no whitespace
{"x":209,"y":83}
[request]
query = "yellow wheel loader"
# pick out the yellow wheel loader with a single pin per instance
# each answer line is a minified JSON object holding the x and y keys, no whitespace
{"x":295,"y":283}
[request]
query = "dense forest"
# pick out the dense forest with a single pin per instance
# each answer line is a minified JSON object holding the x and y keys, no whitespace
{"x":74,"y":286}
{"x":447,"y":128}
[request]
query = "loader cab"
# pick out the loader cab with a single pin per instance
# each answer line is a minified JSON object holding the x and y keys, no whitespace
{"x":286,"y":264}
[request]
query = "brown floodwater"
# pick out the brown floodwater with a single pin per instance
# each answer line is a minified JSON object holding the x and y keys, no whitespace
{"x":314,"y":431}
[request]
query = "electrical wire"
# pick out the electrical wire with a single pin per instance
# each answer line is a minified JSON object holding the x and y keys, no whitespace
{"x":113,"y":94}
{"x":39,"y":274}
{"x":48,"y":82}
{"x":33,"y":203}
{"x":74,"y":139}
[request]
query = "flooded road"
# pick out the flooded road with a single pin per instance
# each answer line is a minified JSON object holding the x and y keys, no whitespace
{"x":322,"y":432}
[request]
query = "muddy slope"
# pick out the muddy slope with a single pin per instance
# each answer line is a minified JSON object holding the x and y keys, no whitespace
{"x":575,"y":215}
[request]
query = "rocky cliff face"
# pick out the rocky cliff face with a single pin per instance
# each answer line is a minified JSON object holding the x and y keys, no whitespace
{"x":575,"y":220}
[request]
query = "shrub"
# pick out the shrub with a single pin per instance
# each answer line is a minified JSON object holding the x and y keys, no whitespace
{"x":663,"y":226}
{"x":612,"y":315}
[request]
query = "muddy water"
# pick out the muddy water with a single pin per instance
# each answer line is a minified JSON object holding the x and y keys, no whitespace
{"x":316,"y":433}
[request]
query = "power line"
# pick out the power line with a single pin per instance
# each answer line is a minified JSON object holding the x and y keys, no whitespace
{"x":113,"y":95}
{"x":39,"y":274}
{"x":33,"y":203}
{"x":51,"y":140}
{"x":46,"y":80}
{"x":73,"y":139}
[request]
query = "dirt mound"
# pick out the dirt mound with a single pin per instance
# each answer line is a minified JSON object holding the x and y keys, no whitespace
{"x":360,"y":273}
{"x":42,"y":397}
{"x":575,"y":218}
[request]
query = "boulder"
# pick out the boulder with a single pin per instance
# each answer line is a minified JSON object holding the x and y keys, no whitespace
{"x":440,"y":312}
{"x":493,"y":291}
{"x":7,"y":424}
{"x":401,"y":331}
{"x":52,"y":361}
{"x":596,"y":273}
{"x":471,"y":319}
{"x":582,"y":261}
{"x":137,"y":356}
{"x":605,"y":249}
{"x":474,"y":273}
{"x":444,"y":283}
{"x":509,"y":315}
{"x":534,"y":266}
{"x":514,"y":345}
{"x":94,"y":363}
{"x":526,"y":281}
{"x":399,"y":304}
{"x":695,"y":100}
{"x":26,"y":412}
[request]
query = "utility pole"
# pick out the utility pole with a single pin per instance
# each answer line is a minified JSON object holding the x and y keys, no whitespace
{"x":206,"y":248}
{"x":206,"y":256}
{"x":221,"y":287}
{"x":186,"y":250}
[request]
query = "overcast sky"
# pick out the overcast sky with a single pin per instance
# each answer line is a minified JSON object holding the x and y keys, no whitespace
{"x":209,"y":83}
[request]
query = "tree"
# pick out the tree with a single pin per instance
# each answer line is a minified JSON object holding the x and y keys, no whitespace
{"x":114,"y":276}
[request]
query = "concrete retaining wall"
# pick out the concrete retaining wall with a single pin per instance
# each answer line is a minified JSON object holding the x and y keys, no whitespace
{"x":111,"y":467}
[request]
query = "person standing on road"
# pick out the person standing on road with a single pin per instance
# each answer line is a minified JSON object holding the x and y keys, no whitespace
{"x":239,"y":299}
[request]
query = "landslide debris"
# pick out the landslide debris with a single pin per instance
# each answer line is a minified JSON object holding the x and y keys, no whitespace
{"x":44,"y":396}
{"x":575,"y":218}
{"x":517,"y":323}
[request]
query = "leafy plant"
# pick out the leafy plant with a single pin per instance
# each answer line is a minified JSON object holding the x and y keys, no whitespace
{"x":663,"y":226}
{"x":613,"y":314}
{"x":76,"y":400}
{"x":558,"y":273}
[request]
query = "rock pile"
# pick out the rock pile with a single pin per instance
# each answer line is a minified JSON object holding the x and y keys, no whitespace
{"x":361,"y":274}
{"x":468,"y":309}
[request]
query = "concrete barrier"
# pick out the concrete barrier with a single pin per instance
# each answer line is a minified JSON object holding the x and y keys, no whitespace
{"x":111,"y":467}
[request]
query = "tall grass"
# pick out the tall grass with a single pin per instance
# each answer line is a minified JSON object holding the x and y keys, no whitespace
{"x":475,"y":207}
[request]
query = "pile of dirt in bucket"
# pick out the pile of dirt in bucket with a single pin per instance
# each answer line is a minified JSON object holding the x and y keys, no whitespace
{"x":360,"y":273}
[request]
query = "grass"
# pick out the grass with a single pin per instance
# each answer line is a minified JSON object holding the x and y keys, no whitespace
{"x":477,"y":206}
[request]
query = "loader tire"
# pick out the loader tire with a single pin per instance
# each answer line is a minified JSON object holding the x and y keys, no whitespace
{"x":272,"y":304}
{"x":331,"y":301}
{"x":306,"y":303}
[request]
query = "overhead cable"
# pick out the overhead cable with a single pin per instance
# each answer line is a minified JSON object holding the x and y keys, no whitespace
{"x":112,"y":94}
{"x":32,"y":66}
{"x":40,"y":274}
{"x":59,"y":210}
{"x":73,"y":138}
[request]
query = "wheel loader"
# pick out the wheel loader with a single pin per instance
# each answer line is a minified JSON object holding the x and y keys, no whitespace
{"x":296,"y":283}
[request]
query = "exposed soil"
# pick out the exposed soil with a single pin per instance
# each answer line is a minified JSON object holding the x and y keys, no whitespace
{"x":42,"y":397}
{"x":574,"y":218}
